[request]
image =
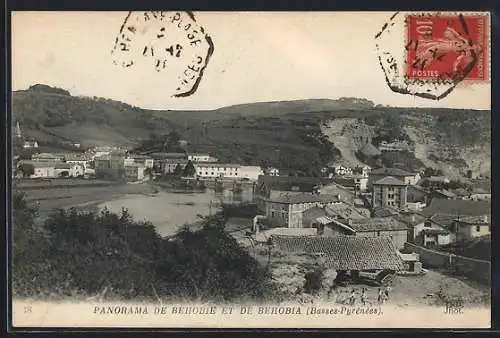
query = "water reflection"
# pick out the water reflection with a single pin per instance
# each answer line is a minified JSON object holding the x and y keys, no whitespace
{"x":169,"y":210}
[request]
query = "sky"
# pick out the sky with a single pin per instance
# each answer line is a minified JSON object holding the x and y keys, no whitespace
{"x":257,"y":57}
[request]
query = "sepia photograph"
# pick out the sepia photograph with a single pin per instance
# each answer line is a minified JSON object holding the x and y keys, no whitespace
{"x":177,"y":169}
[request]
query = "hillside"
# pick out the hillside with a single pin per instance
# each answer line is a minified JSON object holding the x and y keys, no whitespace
{"x":302,"y":135}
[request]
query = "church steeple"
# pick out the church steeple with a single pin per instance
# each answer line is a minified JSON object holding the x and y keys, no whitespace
{"x":18,"y":131}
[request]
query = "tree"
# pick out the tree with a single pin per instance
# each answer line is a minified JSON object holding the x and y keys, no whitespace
{"x":27,"y":169}
{"x":189,"y":170}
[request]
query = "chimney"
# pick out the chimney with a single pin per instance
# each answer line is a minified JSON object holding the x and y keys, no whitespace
{"x":349,"y":221}
{"x":338,"y":197}
{"x":413,"y":218}
{"x":485,"y":218}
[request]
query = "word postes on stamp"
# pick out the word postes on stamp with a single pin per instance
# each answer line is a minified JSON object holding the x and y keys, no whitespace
{"x":171,"y":42}
{"x":447,"y":47}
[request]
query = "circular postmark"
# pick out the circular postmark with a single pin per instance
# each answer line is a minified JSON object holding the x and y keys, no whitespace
{"x":171,"y":42}
{"x":429,"y":54}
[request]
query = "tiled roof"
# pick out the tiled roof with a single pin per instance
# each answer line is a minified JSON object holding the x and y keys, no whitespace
{"x":314,"y":212}
{"x":385,"y":212}
{"x":173,"y":161}
{"x":41,"y":164}
{"x":216,"y":165}
{"x":344,"y":252}
{"x":391,"y":172}
{"x":304,"y":198}
{"x":345,"y":211}
{"x":446,"y":193}
{"x":160,"y":155}
{"x":457,"y":207}
{"x":377,"y":224}
{"x":389,"y":180}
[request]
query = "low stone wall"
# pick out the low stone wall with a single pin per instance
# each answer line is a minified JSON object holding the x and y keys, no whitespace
{"x":475,"y":269}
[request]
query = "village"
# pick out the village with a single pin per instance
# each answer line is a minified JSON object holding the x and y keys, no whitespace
{"x":362,"y":225}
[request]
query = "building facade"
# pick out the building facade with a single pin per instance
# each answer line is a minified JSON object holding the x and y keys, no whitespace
{"x":287,"y":210}
{"x":201,"y":158}
{"x":135,"y":172}
{"x":109,"y":166}
{"x":402,"y":175}
{"x":218,"y":170}
{"x":470,"y":227}
{"x":389,"y":192}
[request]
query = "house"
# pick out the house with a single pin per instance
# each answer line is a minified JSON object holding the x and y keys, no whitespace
{"x":389,"y":192}
{"x":30,"y":145}
{"x":217,"y":170}
{"x":47,"y":157}
{"x":417,"y":193}
{"x":432,"y":232}
{"x":273,"y":186}
{"x":145,"y":160}
{"x":63,"y":169}
{"x":457,"y":208}
{"x":78,"y":158}
{"x":102,"y":151}
{"x":396,"y":145}
{"x":201,"y":158}
{"x":41,"y":169}
{"x":342,"y":253}
{"x":272,"y":171}
{"x":443,"y":193}
{"x":355,"y":182}
{"x":481,"y":190}
{"x":374,"y":227}
{"x":135,"y":172}
{"x":163,"y":155}
{"x":469,"y":227}
{"x":402,"y":175}
{"x":342,"y":170}
{"x":287,"y":209}
{"x":251,"y":173}
{"x":109,"y":166}
{"x":167,"y":166}
{"x":437,"y":182}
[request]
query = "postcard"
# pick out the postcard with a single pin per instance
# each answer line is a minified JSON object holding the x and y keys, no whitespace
{"x":176,"y":169}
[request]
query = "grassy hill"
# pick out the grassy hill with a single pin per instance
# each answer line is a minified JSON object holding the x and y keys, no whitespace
{"x":287,"y":133}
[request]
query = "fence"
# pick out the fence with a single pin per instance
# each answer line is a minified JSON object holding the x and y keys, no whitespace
{"x":476,"y":269}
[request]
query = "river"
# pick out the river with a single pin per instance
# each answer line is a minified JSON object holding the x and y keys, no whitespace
{"x":170,"y":210}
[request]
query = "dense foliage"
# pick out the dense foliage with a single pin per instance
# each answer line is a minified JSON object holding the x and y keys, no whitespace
{"x":107,"y":255}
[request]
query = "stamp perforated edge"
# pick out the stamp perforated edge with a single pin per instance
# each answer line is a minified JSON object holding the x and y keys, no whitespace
{"x":462,"y":82}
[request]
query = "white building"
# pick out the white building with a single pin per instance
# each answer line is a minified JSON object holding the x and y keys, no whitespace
{"x":30,"y":145}
{"x":201,"y":158}
{"x":135,"y":172}
{"x":272,"y":171}
{"x":341,"y":170}
{"x":217,"y":170}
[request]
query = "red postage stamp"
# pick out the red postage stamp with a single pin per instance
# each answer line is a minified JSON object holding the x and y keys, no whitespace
{"x":447,"y":47}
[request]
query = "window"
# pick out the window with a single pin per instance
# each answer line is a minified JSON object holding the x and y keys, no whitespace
{"x":272,"y":213}
{"x":378,"y":233}
{"x":391,"y":189}
{"x":478,"y":228}
{"x":390,"y":196}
